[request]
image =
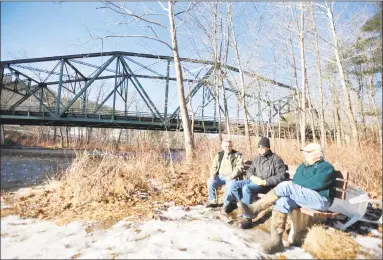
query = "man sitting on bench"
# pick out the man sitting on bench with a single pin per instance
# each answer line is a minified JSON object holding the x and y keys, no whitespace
{"x":311,"y":187}
{"x":266,"y":171}
{"x":227,"y":166}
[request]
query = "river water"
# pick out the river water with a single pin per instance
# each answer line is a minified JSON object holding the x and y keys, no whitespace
{"x":27,"y":167}
{"x":25,"y":170}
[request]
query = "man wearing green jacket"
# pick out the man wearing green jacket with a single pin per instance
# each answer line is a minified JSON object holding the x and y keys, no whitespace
{"x":312,"y":187}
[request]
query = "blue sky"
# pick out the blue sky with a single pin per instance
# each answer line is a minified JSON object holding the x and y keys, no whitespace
{"x":38,"y":29}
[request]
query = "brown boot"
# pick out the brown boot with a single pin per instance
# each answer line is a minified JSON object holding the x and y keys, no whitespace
{"x":261,"y":204}
{"x":278,"y":224}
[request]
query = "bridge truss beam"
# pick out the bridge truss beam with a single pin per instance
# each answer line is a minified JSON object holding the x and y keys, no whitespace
{"x":73,"y":80}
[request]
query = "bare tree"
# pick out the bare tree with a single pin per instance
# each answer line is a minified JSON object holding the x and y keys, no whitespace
{"x":242,"y":95}
{"x":327,"y":9}
{"x":301,"y":31}
{"x":320,"y":84}
{"x":153,"y":26}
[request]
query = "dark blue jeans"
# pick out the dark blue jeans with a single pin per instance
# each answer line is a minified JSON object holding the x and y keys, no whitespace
{"x":243,"y":190}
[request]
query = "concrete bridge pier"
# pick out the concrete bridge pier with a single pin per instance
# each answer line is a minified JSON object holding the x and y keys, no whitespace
{"x":2,"y":135}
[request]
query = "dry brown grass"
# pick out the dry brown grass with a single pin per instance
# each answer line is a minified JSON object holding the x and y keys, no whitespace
{"x":111,"y":188}
{"x":7,"y":211}
{"x":364,"y":165}
{"x":330,"y":244}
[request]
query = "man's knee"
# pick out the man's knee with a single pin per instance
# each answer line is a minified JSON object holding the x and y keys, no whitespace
{"x":285,"y":205}
{"x":246,"y":189}
{"x":283,"y":188}
{"x":234,"y":185}
{"x":285,"y":184}
{"x":210,"y":183}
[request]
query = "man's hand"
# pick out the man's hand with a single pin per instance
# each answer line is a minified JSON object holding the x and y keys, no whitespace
{"x":258,"y":181}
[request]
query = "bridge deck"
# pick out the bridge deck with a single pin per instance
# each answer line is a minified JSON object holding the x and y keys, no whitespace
{"x":75,"y":118}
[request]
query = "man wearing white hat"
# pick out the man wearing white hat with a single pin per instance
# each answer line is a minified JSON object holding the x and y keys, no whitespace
{"x":311,"y":187}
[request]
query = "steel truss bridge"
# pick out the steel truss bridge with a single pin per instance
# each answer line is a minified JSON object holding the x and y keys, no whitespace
{"x":59,"y":91}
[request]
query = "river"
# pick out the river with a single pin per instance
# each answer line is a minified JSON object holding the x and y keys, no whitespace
{"x":22,"y":168}
{"x":25,"y":167}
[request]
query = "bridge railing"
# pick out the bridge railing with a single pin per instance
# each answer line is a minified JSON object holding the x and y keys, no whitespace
{"x":100,"y":112}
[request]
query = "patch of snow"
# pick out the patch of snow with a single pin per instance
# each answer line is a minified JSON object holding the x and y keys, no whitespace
{"x":23,"y":192}
{"x":370,"y":244}
{"x":187,"y":233}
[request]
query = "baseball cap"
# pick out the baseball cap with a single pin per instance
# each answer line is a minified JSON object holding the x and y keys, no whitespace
{"x":312,"y":147}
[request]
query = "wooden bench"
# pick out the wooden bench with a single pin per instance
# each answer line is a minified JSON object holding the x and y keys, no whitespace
{"x":303,"y":218}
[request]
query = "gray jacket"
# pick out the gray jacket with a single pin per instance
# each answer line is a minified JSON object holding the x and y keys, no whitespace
{"x":269,"y":167}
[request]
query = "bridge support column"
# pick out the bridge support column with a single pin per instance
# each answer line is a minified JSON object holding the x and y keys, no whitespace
{"x":2,"y":138}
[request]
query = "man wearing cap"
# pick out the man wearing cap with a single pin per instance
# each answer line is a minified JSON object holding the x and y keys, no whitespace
{"x":227,"y":165}
{"x":266,"y":171}
{"x":311,"y":187}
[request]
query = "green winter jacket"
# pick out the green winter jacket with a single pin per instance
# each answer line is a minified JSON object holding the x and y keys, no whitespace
{"x":319,"y":177}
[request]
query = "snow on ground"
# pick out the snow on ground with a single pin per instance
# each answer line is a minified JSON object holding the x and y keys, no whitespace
{"x":370,"y":245}
{"x":179,"y":233}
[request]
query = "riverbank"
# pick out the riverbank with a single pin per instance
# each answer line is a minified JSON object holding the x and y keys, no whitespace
{"x":71,"y":153}
{"x":37,"y":151}
{"x":101,"y":194}
{"x":23,"y":167}
{"x":177,"y":232}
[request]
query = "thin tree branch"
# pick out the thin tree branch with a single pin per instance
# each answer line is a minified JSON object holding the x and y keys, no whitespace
{"x":129,"y":13}
{"x":136,"y":36}
{"x":191,"y":6}
{"x":163,"y":7}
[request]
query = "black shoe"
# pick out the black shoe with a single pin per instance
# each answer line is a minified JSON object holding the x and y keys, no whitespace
{"x":211,"y":204}
{"x":230,"y":207}
{"x":246,"y":223}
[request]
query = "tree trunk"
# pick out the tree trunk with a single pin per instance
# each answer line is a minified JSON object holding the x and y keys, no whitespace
{"x":67,"y":136}
{"x":298,"y":110}
{"x":303,"y":78}
{"x":216,"y":90}
{"x":361,"y":103}
{"x":227,"y":119}
{"x":54,"y":135}
{"x":319,"y":72}
{"x":61,"y":138}
{"x":192,"y":113}
{"x":346,"y":93}
{"x":376,"y":112}
{"x":242,"y":82}
{"x":337,"y":120}
{"x":189,"y":142}
{"x":312,"y":124}
{"x":217,"y":70}
{"x":89,"y":131}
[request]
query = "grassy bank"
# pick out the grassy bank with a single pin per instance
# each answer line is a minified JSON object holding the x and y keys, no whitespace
{"x":111,"y":188}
